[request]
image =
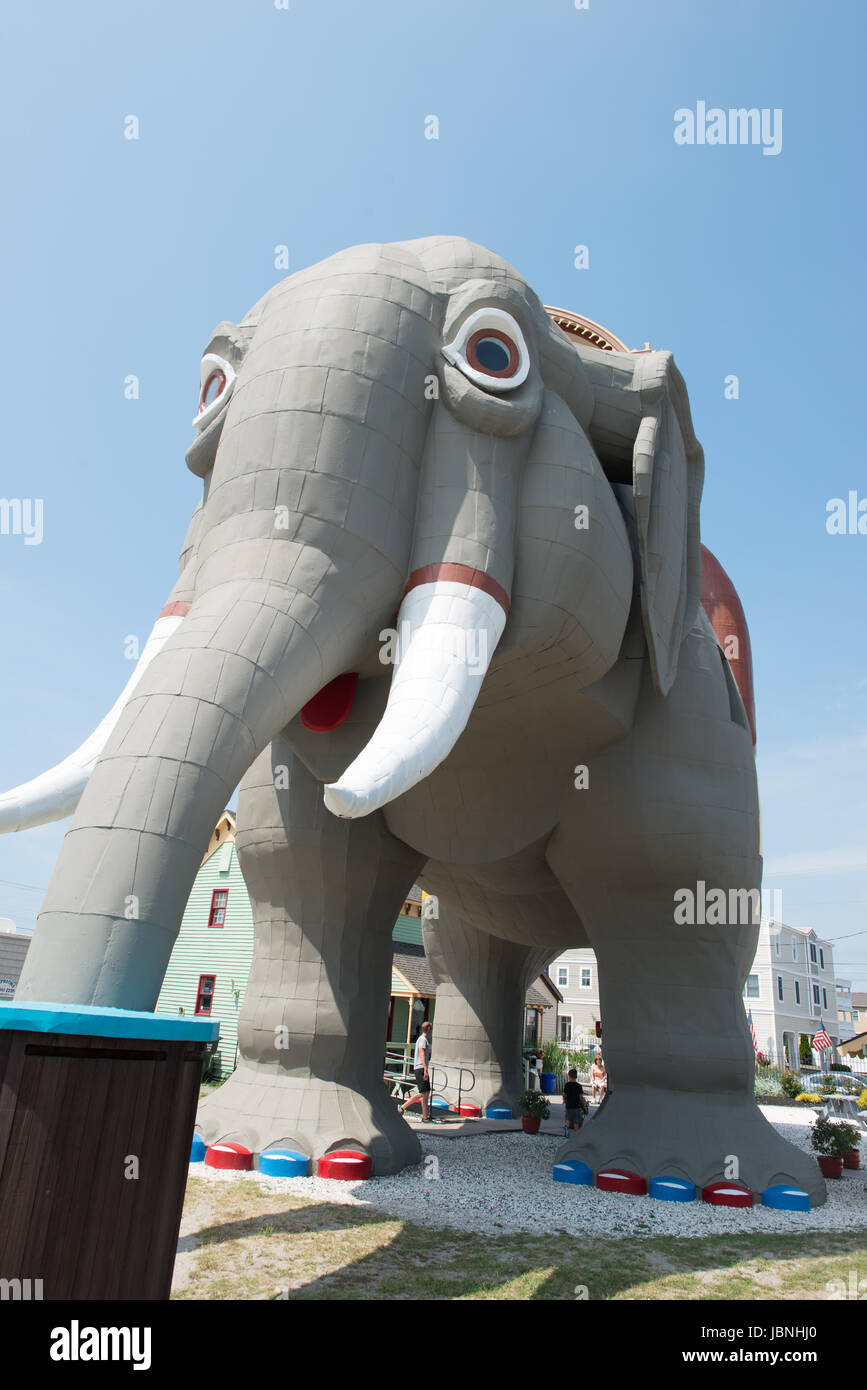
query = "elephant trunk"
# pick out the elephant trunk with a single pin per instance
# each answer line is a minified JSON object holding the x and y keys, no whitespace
{"x":55,"y":794}
{"x":239,"y":667}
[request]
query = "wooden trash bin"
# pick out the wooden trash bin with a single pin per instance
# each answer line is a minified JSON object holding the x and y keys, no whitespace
{"x":97,"y":1108}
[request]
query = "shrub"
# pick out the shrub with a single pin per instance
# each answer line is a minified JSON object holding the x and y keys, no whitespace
{"x":580,"y":1060}
{"x":767,"y":1082}
{"x":762,"y":1059}
{"x":553,"y":1058}
{"x":839,"y":1066}
{"x":790,"y":1084}
{"x":808,"y":1098}
{"x":862,"y":1101}
{"x":534,"y":1105}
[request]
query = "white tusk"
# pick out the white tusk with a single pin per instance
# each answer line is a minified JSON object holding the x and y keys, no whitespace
{"x":447,"y":633}
{"x":55,"y":793}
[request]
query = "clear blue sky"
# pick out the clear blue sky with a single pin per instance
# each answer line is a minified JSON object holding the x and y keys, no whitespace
{"x":305,"y":127}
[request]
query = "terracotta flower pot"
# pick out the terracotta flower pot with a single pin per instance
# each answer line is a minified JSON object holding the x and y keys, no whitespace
{"x":529,"y":1124}
{"x":831,"y":1167}
{"x":852,"y":1159}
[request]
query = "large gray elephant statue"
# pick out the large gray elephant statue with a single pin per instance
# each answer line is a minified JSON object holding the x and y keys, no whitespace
{"x":439,"y":614}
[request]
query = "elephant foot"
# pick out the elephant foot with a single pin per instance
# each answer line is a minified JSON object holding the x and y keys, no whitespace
{"x":263,"y":1110}
{"x":658,"y":1133}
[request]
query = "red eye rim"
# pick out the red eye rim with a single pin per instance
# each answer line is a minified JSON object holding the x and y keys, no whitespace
{"x":514,"y":354}
{"x":217,"y":375}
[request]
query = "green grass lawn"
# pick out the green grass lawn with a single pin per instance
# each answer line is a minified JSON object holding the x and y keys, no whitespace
{"x":253,"y":1244}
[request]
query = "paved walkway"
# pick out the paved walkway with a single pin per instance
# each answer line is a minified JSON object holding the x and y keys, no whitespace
{"x":455,"y":1128}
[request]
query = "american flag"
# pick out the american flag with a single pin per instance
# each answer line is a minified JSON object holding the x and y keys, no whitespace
{"x":753,"y":1031}
{"x":821,"y":1042}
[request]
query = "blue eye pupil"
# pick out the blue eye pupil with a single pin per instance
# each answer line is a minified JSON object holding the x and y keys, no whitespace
{"x":493,"y":355}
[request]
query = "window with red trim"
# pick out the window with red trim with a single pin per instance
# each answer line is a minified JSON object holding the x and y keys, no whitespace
{"x":219,"y":899}
{"x":205,"y":994}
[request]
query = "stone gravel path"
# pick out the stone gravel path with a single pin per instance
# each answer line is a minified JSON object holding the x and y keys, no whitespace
{"x":503,"y":1182}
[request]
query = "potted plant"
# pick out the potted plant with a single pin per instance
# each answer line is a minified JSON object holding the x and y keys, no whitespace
{"x":852,"y":1140}
{"x":832,"y":1142}
{"x":534,"y":1109}
{"x":553,"y":1065}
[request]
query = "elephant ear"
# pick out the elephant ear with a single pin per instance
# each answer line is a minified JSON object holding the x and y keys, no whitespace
{"x":667,"y":477}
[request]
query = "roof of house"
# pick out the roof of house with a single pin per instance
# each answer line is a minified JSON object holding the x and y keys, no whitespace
{"x":859,"y":1001}
{"x":536,"y":1000}
{"x":545,"y":979}
{"x":411,"y":963}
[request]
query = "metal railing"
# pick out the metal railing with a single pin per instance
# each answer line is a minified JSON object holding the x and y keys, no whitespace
{"x":399,"y":1076}
{"x":459,"y":1086}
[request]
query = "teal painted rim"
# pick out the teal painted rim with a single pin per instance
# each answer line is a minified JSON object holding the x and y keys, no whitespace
{"x":89,"y":1020}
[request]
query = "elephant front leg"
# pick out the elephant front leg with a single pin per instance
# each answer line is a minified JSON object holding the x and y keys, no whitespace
{"x":480,"y":1007}
{"x":325,"y":896}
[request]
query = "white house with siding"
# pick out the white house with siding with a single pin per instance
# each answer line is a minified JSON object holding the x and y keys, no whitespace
{"x":576,"y":976}
{"x":13,"y":948}
{"x":790,"y":988}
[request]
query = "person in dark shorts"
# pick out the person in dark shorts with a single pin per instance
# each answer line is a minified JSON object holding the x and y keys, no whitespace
{"x":421,"y":1067}
{"x":574,"y":1102}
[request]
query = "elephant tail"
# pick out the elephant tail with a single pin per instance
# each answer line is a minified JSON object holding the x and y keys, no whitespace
{"x":56,"y":793}
{"x":724,"y":609}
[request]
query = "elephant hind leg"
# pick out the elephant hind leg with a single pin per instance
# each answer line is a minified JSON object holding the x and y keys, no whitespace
{"x":325,"y":895}
{"x":670,"y":812}
{"x":478,"y":949}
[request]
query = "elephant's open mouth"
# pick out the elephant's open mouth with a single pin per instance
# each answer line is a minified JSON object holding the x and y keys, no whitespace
{"x":331,"y":706}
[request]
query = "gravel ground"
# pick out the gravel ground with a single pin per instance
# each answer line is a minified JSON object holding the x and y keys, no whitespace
{"x":503,"y":1182}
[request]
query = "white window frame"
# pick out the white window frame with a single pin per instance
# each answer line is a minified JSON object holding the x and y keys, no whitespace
{"x":588,"y":971}
{"x":816,"y":1000}
{"x":758,"y":993}
{"x":781,"y":994}
{"x":564,"y":1018}
{"x":562,"y":970}
{"x":798,"y":992}
{"x":794,"y":949}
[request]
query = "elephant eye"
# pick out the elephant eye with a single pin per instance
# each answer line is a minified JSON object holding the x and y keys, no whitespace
{"x":493,"y":352}
{"x":490,"y":349}
{"x":217,"y":380}
{"x":212,"y":388}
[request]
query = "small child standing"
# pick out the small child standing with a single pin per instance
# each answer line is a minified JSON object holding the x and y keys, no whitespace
{"x":574,"y":1102}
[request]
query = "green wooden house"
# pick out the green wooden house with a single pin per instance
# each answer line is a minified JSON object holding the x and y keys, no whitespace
{"x":209,"y":965}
